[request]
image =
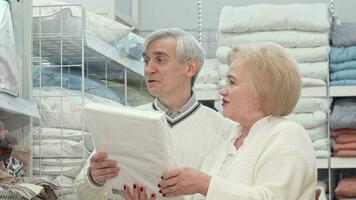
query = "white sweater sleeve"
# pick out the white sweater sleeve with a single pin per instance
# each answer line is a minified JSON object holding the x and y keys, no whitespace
{"x":86,"y":189}
{"x":277,"y":178}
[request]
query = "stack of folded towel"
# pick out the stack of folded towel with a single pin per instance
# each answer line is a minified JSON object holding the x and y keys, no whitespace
{"x":311,"y":113}
{"x":346,"y":188}
{"x":343,"y":55}
{"x":287,"y":25}
{"x":343,"y":125}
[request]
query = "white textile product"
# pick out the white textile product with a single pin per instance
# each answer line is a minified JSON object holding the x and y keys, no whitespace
{"x":317,"y":133}
{"x":221,"y":54}
{"x":8,"y":64}
{"x":290,"y":39}
{"x":57,"y":162}
{"x":266,"y":17}
{"x":310,"y":82}
{"x":316,"y":70}
{"x":208,"y":73}
{"x":104,"y":28}
{"x":61,"y":107}
{"x":309,"y":120}
{"x":300,"y":54}
{"x":193,"y":138}
{"x":205,"y":86}
{"x":321,"y":144}
{"x":153,"y":149}
{"x":314,"y":54}
{"x":223,"y":69}
{"x":308,"y":105}
{"x":57,"y":133}
{"x":322,"y":154}
{"x":57,"y":170}
{"x":57,"y":148}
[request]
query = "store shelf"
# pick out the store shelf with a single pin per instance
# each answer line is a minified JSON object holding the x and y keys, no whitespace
{"x":322,"y":163}
{"x":206,"y":94}
{"x":338,"y":163}
{"x":342,"y":91}
{"x":314,"y":92}
{"x":18,"y":105}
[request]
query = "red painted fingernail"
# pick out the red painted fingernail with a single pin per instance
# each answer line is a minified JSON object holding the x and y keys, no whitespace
{"x":141,"y":189}
{"x":164,"y":195}
{"x":125,"y":187}
{"x":159,"y":185}
{"x":160,"y":191}
{"x":134,"y":186}
{"x":161,"y":177}
{"x":152,"y":195}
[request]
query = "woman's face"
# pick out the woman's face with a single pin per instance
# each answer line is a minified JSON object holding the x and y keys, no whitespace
{"x":239,"y":103}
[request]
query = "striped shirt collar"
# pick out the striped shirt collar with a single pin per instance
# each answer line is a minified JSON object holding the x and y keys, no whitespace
{"x":175,"y":117}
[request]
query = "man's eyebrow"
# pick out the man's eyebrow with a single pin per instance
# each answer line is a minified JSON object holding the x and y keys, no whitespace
{"x":159,"y":53}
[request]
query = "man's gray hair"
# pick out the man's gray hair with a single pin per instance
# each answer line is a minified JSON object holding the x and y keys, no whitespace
{"x":187,"y":46}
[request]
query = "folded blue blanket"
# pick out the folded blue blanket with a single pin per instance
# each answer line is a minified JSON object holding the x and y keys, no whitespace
{"x":335,"y":67}
{"x":343,"y":82}
{"x":343,"y":75}
{"x":342,"y":54}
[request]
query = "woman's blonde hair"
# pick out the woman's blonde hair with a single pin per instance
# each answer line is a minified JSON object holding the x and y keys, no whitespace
{"x":273,"y":74}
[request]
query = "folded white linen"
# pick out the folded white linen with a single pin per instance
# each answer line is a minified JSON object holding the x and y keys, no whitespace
{"x":70,"y":171}
{"x":318,"y":133}
{"x":314,"y":54}
{"x":208,"y":73}
{"x":308,"y":105}
{"x":290,"y":39}
{"x":301,"y":55}
{"x":309,"y":120}
{"x":321,"y":144}
{"x":57,"y":148}
{"x":316,"y":70}
{"x":265,"y":17}
{"x":311,"y":82}
{"x":322,"y":154}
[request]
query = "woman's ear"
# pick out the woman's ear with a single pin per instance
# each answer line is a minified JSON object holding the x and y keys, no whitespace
{"x":192,"y":67}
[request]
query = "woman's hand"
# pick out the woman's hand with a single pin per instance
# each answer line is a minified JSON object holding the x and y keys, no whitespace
{"x":184,"y":181}
{"x":138,"y":193}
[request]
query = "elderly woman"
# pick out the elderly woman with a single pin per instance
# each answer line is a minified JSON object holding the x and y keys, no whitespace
{"x":267,"y":157}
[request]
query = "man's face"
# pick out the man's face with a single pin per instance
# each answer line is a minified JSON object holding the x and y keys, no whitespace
{"x":165,"y":75}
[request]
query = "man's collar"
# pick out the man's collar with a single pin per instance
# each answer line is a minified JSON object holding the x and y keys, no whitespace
{"x":174,"y":117}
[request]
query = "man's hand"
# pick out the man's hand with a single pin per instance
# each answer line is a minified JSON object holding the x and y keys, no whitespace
{"x":101,"y":168}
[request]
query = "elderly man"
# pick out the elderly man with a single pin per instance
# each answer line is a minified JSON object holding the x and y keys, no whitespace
{"x":173,"y":59}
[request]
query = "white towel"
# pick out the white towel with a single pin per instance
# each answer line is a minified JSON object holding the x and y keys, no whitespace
{"x":266,"y":17}
{"x":322,"y":154}
{"x":300,"y":54}
{"x":315,"y":54}
{"x":316,"y":70}
{"x":308,"y":105}
{"x":310,"y":82}
{"x":317,"y":133}
{"x":290,"y":39}
{"x":309,"y":120}
{"x":321,"y":144}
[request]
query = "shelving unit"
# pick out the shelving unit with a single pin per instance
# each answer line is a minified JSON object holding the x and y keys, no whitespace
{"x":342,"y":91}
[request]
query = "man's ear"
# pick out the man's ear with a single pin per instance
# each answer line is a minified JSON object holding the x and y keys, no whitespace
{"x":192,"y":67}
